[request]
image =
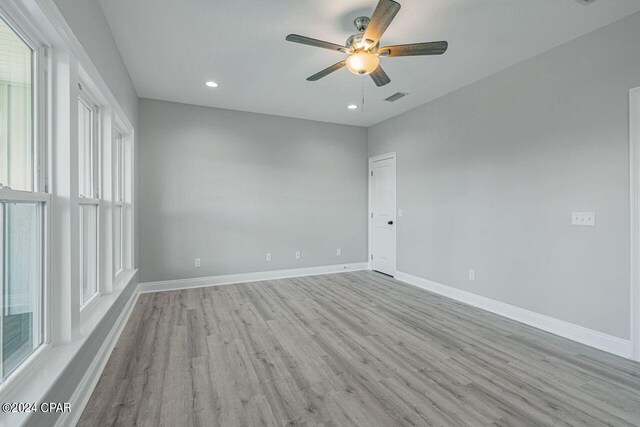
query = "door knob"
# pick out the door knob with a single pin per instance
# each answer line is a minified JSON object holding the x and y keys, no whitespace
{"x":390,"y":223}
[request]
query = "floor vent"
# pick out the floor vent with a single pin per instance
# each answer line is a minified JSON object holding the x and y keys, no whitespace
{"x":396,"y":96}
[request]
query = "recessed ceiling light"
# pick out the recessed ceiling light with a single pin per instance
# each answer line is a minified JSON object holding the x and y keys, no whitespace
{"x":352,"y":107}
{"x":211,"y":83}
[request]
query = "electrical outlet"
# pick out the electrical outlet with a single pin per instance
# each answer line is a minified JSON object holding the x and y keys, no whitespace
{"x":197,"y":263}
{"x":472,"y":275}
{"x":339,"y":252}
{"x":268,"y":257}
{"x":583,"y":218}
{"x":298,"y":255}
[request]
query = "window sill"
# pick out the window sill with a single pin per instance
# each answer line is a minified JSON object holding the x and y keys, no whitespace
{"x":45,"y":367}
{"x":101,"y":304}
{"x":119,"y":279}
{"x":88,"y":307}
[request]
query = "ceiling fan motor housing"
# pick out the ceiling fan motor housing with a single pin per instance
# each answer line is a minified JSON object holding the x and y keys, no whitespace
{"x":361,"y":23}
{"x":354,"y":42}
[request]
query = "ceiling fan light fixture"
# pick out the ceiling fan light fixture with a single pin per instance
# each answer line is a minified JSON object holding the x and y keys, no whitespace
{"x":211,"y":83}
{"x":362,"y":63}
{"x":364,"y":48}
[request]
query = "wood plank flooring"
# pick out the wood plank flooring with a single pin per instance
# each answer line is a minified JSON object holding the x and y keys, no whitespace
{"x":349,"y":349}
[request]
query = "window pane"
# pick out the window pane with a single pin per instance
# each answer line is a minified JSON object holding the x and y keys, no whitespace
{"x":85,"y":149}
{"x":119,"y":169}
{"x":16,"y":105}
{"x":21,"y":270}
{"x":117,"y":240}
{"x":88,"y":252}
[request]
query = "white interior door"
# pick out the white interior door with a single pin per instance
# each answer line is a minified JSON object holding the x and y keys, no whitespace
{"x":383,"y":213}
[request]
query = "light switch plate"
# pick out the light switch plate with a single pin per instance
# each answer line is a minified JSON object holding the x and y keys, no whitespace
{"x":399,"y":212}
{"x":197,"y":262}
{"x":583,"y":218}
{"x":268,"y":257}
{"x":298,"y":255}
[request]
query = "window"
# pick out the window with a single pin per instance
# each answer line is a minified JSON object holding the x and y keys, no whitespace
{"x":118,"y":208}
{"x":88,"y":185}
{"x":88,"y":251}
{"x":86,"y":149}
{"x":16,"y":104}
{"x":42,"y":320}
{"x":21,"y":270}
{"x":23,"y":204}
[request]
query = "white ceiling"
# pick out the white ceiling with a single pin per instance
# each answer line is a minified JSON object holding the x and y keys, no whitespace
{"x":172,"y":47}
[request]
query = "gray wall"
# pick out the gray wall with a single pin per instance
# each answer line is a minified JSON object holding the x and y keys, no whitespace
{"x":228,"y":187}
{"x":488,"y":177}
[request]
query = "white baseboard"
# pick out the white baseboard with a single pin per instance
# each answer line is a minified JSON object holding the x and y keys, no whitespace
{"x":229,"y":279}
{"x":599,"y":340}
{"x":83,"y":392}
{"x":564,"y":329}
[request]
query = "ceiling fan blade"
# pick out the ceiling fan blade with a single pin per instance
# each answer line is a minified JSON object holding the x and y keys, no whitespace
{"x":415,"y":49}
{"x":379,"y":77}
{"x":327,"y":71}
{"x":385,"y":11}
{"x":295,"y":38}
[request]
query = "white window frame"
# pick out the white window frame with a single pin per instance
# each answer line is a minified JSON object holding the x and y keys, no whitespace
{"x":88,"y":303}
{"x":119,"y":200}
{"x":88,"y":100}
{"x":96,"y":140}
{"x":66,"y":328}
{"x":41,"y":95}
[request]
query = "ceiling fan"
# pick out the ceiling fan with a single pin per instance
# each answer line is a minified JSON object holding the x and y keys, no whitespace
{"x":364,"y":48}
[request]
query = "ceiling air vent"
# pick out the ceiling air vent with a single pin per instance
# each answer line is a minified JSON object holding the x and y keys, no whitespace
{"x":396,"y":96}
{"x":586,"y":2}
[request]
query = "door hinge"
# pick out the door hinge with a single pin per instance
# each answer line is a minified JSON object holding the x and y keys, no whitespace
{"x":371,"y":214}
{"x":371,"y":257}
{"x":371,"y":173}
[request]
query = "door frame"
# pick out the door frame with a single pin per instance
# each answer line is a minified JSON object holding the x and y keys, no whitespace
{"x":391,"y":155}
{"x":634,"y":172}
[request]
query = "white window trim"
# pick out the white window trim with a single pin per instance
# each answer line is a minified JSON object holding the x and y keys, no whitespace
{"x":67,"y":331}
{"x":40,"y":322}
{"x":96,"y":139}
{"x":6,"y":194}
{"x":117,"y":272}
{"x":119,"y":175}
{"x":85,"y":306}
{"x":41,"y":88}
{"x":89,"y":100}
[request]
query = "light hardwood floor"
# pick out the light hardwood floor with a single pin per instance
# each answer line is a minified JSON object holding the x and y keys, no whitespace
{"x":349,"y":349}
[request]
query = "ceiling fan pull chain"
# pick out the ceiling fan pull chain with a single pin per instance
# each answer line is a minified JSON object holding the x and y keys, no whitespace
{"x":363,"y":95}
